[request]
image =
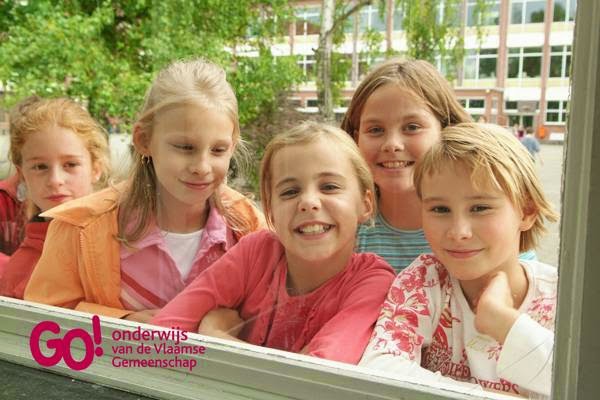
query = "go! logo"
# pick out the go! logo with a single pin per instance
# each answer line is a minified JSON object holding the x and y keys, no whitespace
{"x":62,"y":347}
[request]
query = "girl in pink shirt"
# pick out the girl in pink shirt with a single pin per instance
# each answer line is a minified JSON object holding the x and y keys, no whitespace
{"x":301,"y":288}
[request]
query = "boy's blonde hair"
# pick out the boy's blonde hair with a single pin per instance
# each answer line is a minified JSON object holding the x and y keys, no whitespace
{"x":494,"y":156}
{"x":306,"y":133}
{"x":198,"y":83}
{"x":34,"y":114}
{"x":418,"y":76}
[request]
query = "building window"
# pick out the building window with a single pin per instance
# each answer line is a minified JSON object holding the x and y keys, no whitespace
{"x":371,"y":19}
{"x":510,"y":106}
{"x":308,"y":64}
{"x":480,"y":64}
{"x":474,"y":106}
{"x":564,"y":10}
{"x":308,"y":21}
{"x":560,"y":61}
{"x":524,"y":62}
{"x":489,"y":16}
{"x":398,"y":17}
{"x":556,"y":111}
{"x":527,"y":11}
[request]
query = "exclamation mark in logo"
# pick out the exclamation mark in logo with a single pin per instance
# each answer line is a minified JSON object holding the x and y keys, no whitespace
{"x":97,"y":335}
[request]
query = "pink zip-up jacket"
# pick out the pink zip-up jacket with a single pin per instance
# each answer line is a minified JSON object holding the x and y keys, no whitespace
{"x":80,"y":267}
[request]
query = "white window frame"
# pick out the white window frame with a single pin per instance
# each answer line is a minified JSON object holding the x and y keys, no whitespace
{"x":305,"y":13}
{"x":567,"y":10}
{"x":561,"y":110}
{"x":477,"y":56}
{"x":240,"y":371}
{"x":521,"y":55}
{"x":371,"y":12}
{"x":493,"y":7}
{"x":523,"y":13}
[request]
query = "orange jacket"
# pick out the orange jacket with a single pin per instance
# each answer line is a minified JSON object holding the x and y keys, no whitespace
{"x":80,"y":267}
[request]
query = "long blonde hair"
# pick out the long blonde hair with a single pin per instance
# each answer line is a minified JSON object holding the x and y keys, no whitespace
{"x":494,"y":156}
{"x":195,"y":82}
{"x":34,"y":113}
{"x":418,"y":76}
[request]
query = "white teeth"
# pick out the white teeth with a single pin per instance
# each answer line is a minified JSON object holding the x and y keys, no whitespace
{"x":396,"y":164}
{"x":314,"y":229}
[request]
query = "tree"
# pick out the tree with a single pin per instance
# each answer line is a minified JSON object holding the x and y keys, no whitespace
{"x":106,"y":52}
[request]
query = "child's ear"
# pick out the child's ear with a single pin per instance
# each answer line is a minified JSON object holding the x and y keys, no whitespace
{"x":529,"y":216}
{"x":141,"y":140}
{"x":368,"y":207}
{"x":96,"y":172}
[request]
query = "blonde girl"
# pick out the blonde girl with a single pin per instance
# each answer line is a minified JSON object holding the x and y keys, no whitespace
{"x":474,"y":311}
{"x":126,"y":251}
{"x":301,"y":287}
{"x":396,"y":114}
{"x":61,"y":154}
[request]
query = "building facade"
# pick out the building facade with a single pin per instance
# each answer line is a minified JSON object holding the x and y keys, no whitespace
{"x":516,"y":73}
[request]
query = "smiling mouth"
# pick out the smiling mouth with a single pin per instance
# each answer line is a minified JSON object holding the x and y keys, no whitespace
{"x":313,"y":229}
{"x":463,"y":253}
{"x":57,"y":197}
{"x":196,"y":185}
{"x":395,"y":164}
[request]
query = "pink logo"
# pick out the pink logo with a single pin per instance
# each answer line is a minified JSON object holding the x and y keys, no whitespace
{"x":62,"y":347}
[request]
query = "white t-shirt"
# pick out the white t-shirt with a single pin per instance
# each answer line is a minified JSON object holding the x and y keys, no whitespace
{"x":183,"y":248}
{"x":427,"y":325}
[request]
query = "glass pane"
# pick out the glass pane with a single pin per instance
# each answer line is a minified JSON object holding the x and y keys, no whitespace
{"x":378,"y":22}
{"x":572,"y":10}
{"x":560,"y":10}
{"x":532,"y":67}
{"x":397,"y":20}
{"x":476,"y":103}
{"x":516,"y":13}
{"x":510,"y":105}
{"x":513,"y":67}
{"x":487,"y":68}
{"x":534,"y":11}
{"x":552,"y":116}
{"x":553,"y":105}
{"x":568,"y":66}
{"x":470,"y":68}
{"x":555,"y":66}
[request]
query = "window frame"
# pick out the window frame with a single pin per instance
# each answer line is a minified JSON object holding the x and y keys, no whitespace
{"x":272,"y":374}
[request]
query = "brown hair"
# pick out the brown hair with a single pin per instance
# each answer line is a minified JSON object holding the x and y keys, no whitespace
{"x":494,"y":156}
{"x":418,"y":76}
{"x":34,"y":113}
{"x":195,"y":82}
{"x":306,"y":133}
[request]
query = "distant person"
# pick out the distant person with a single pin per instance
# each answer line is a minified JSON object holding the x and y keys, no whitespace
{"x":482,"y":119}
{"x":532,"y":145}
{"x":473,"y":311}
{"x":61,"y":154}
{"x":520,"y":132}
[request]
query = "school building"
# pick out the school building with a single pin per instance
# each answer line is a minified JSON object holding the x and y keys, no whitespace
{"x":517,"y":72}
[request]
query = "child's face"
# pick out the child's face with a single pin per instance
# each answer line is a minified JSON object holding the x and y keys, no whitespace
{"x":474,"y":231}
{"x":316,"y":203}
{"x":56,"y":167}
{"x":396,"y":129}
{"x":191,"y":148}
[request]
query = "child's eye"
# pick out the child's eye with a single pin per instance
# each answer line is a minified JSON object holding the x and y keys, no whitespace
{"x":330,"y":187}
{"x":412,"y":127}
{"x":439,"y":209}
{"x":288,"y":193}
{"x":375,"y":131}
{"x":39,"y":167}
{"x":480,"y":208}
{"x":71,"y":164}
{"x":184,"y":147}
{"x":219,"y":150}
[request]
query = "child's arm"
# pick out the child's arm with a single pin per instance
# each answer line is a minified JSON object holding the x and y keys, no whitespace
{"x":223,"y":284}
{"x":56,"y":280}
{"x":526,"y":356}
{"x":223,"y":323}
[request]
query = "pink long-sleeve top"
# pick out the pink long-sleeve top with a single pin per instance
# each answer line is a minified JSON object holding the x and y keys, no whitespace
{"x":334,"y":321}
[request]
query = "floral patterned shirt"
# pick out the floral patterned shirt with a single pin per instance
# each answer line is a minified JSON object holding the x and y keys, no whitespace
{"x":427,"y":322}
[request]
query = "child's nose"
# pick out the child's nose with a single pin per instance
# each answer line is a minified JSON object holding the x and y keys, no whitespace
{"x":56,"y":177}
{"x":460,"y":229}
{"x":309,"y":201}
{"x":393,"y":143}
{"x":199,"y":166}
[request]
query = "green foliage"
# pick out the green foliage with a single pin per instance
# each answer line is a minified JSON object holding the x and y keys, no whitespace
{"x":106,"y":52}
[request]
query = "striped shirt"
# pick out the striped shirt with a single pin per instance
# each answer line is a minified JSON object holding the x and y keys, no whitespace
{"x":398,"y":247}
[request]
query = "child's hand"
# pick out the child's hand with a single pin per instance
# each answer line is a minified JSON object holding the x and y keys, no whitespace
{"x":142,"y":316}
{"x":222,"y":322}
{"x":495,"y":313}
